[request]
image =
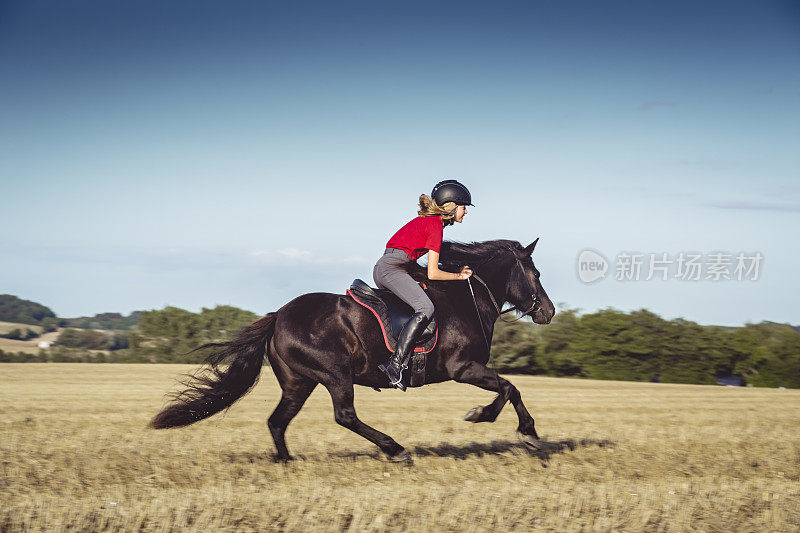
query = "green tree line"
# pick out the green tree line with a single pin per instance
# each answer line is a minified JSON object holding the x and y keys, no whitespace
{"x":642,"y":346}
{"x":161,"y":336}
{"x":608,"y":344}
{"x":111,"y":321}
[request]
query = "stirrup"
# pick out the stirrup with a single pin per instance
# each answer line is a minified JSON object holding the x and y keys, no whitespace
{"x":398,"y":383}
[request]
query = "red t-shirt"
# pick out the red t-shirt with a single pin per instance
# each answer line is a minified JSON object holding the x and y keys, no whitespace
{"x":419,"y":236}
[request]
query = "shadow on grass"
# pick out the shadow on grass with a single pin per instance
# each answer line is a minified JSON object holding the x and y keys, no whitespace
{"x":495,"y":447}
{"x":462,"y":451}
{"x":499,"y":447}
{"x":248,"y":457}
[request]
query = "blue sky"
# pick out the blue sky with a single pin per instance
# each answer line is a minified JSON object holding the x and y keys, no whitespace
{"x":202,"y":153}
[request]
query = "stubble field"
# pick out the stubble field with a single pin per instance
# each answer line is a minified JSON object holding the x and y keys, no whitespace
{"x":29,"y":346}
{"x":75,"y":454}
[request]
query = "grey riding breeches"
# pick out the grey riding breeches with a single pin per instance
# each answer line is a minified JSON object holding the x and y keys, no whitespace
{"x":390,"y":273}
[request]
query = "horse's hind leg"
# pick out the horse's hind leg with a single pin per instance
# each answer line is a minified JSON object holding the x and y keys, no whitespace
{"x":295,"y":393}
{"x":345,"y":414}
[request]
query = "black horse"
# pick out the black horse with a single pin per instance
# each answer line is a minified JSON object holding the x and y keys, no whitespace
{"x":330,"y":339}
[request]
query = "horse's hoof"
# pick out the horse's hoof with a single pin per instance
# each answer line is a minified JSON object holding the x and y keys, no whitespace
{"x":474,"y":414}
{"x":530,"y":441}
{"x":400,"y":457}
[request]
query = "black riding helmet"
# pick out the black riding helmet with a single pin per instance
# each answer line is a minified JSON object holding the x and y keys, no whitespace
{"x":451,"y":191}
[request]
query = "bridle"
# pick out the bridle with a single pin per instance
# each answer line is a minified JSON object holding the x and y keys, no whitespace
{"x":534,"y":303}
{"x":500,"y":312}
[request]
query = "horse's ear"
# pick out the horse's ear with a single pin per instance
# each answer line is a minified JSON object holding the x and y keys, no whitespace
{"x":531,"y":246}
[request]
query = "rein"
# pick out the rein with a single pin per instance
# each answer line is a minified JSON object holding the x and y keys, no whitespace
{"x":500,"y":312}
{"x":483,"y":331}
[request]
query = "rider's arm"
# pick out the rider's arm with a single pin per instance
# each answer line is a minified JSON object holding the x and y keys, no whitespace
{"x":434,"y":273}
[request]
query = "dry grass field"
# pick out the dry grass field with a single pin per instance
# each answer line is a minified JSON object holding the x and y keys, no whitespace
{"x":625,"y":456}
{"x":29,"y":346}
{"x":5,"y":327}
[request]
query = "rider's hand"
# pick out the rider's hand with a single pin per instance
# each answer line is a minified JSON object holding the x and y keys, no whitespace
{"x":465,"y":272}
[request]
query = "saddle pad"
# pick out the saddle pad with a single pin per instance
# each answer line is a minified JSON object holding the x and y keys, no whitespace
{"x":380,"y":311}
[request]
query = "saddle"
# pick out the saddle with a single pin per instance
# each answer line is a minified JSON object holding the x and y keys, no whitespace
{"x":392,"y":314}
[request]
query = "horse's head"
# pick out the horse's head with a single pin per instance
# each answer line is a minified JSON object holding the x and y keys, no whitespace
{"x":509,"y":271}
{"x":524,"y":288}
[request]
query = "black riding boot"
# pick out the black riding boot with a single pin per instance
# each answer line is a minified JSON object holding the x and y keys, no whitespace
{"x":405,"y":344}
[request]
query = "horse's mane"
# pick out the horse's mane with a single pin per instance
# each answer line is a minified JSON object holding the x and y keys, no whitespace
{"x":489,"y":256}
{"x":456,"y":254}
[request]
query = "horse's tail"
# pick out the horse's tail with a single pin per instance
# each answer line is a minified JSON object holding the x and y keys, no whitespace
{"x":214,"y":388}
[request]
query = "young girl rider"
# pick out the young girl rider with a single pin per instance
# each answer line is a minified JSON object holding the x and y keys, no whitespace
{"x":446,"y":204}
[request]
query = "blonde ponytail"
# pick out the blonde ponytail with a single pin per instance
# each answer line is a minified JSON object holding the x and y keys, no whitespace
{"x":429,"y":208}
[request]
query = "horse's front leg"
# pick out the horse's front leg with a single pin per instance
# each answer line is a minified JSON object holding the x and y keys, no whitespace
{"x":479,"y":375}
{"x":486,"y":413}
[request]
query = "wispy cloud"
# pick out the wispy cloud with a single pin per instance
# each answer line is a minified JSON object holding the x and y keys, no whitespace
{"x":172,"y":258}
{"x":764,"y":91}
{"x":652,"y":104}
{"x":298,"y":256}
{"x":784,"y":191}
{"x":758,"y":206}
{"x":711,"y":163}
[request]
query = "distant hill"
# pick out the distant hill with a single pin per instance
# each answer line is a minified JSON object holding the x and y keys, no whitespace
{"x":771,"y":323}
{"x":13,"y":309}
{"x":19,"y":311}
